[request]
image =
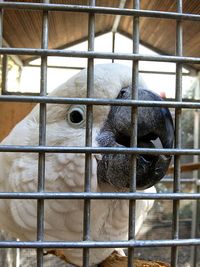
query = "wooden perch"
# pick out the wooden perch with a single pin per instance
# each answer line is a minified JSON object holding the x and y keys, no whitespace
{"x":188,"y":167}
{"x":115,"y":260}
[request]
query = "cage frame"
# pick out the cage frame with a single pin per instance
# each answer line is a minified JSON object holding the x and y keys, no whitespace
{"x":91,"y":9}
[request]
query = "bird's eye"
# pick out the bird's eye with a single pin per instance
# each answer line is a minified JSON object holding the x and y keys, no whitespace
{"x":76,"y":115}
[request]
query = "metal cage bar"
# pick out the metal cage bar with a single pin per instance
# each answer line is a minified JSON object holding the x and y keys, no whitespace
{"x":101,"y":244}
{"x":106,"y":150}
{"x":177,"y":166}
{"x":99,"y":55}
{"x":113,"y":50}
{"x":100,"y":10}
{"x":42,"y":138}
{"x":88,"y":140}
{"x":134,"y":119}
{"x":196,"y":205}
{"x":4,"y":59}
{"x":1,"y":25}
{"x":87,"y":195}
{"x":98,"y":101}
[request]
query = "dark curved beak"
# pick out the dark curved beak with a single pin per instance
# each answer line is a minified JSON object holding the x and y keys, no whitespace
{"x":155,"y":129}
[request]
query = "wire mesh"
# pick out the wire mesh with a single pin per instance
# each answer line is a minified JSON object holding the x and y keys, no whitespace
{"x":134,"y":120}
{"x":88,"y":150}
{"x":42,"y":138}
{"x":176,"y":204}
{"x":88,"y":141}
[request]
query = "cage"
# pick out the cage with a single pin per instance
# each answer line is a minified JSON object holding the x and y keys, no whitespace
{"x":37,"y":40}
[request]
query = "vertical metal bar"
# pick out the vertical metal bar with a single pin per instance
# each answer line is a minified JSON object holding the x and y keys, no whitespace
{"x":1,"y":25}
{"x":196,"y":205}
{"x":16,"y":257}
{"x":134,"y":118}
{"x":1,"y":45}
{"x":4,"y":64}
{"x":4,"y":73}
{"x":88,"y":138}
{"x":113,"y":44}
{"x":116,"y":23}
{"x":177,"y":169}
{"x":42,"y":138}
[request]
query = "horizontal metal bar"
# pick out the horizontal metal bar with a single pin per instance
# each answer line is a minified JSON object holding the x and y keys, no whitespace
{"x":60,"y":67}
{"x":93,"y":54}
{"x":98,"y":101}
{"x":100,"y":244}
{"x":163,"y":72}
{"x":99,"y":196}
{"x":184,"y":180}
{"x":81,"y":68}
{"x":100,"y":10}
{"x":98,"y":150}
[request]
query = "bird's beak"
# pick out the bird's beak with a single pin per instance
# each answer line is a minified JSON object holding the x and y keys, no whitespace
{"x":155,"y":125}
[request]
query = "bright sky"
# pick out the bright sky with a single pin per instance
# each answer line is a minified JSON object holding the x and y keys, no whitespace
{"x":30,"y":77}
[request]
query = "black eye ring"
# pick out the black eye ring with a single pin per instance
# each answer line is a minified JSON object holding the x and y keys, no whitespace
{"x":76,"y":115}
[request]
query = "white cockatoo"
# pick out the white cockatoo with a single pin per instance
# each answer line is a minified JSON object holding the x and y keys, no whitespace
{"x":64,"y":172}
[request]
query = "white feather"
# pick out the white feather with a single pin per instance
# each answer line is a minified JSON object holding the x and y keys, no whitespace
{"x":65,"y":172}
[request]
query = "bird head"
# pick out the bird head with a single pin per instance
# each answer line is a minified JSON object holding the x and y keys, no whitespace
{"x":112,"y":127}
